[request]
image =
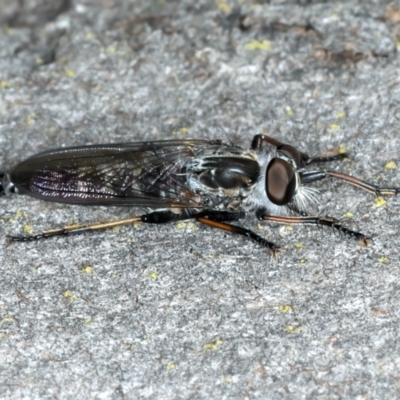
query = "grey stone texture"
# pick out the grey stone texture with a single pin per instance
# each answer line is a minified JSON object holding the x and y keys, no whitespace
{"x":183,"y":311}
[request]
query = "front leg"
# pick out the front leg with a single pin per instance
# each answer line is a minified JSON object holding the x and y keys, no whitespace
{"x":303,"y":158}
{"x":313,"y":176}
{"x":287,"y":150}
{"x":259,"y":139}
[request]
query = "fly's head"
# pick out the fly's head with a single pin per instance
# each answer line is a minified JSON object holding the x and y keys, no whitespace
{"x":283,"y":179}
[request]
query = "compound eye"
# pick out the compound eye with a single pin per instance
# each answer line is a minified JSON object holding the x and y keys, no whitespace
{"x":280,"y":182}
{"x":292,"y":153}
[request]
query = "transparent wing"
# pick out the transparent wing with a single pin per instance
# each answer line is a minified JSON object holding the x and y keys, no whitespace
{"x":138,"y":174}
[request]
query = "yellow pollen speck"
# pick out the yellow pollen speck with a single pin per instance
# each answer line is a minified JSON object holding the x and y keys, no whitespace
{"x":333,"y":127}
{"x":390,"y":165}
{"x":70,"y":295}
{"x":341,"y":114}
{"x":29,"y":119}
{"x":299,"y":245}
{"x":380,"y":201}
{"x":213,"y":345}
{"x":288,"y":228}
{"x":224,"y":7}
{"x":293,"y":329}
{"x":153,"y":275}
{"x":5,"y":84}
{"x":285,"y":308}
{"x":264,"y":45}
{"x":7,"y":319}
{"x":342,"y":149}
{"x":90,"y":36}
{"x":170,"y":366}
{"x":348,"y":214}
{"x":89,"y":320}
{"x":289,"y":111}
{"x":28,"y":229}
{"x":187,"y":225}
{"x":70,"y":73}
{"x":183,"y":130}
{"x":87,"y":269}
{"x":227,"y":379}
{"x":384,"y":260}
{"x":192,"y":226}
{"x":302,"y":261}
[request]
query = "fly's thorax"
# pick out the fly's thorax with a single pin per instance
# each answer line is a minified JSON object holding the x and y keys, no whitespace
{"x":223,"y":172}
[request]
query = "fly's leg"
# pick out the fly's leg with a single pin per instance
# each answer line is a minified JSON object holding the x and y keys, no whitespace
{"x":316,"y":160}
{"x":161,"y":217}
{"x":331,"y":223}
{"x":74,"y":229}
{"x":313,"y":176}
{"x":215,"y":220}
{"x":258,"y":141}
{"x":222,"y":215}
{"x":305,"y":159}
{"x":156,"y":217}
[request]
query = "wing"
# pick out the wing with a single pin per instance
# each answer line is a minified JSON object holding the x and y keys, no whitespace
{"x":147,"y":174}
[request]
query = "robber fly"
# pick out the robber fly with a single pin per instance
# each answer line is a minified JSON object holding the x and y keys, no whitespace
{"x":206,"y":180}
